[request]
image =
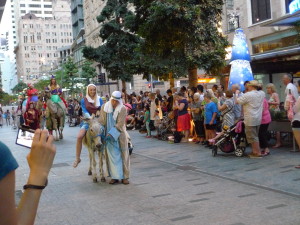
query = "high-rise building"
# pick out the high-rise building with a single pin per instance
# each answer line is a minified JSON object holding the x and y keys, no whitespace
{"x":39,"y":41}
{"x":78,"y":32}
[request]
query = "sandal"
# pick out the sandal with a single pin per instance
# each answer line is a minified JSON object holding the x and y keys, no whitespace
{"x":276,"y":146}
{"x":76,"y":162}
{"x":113,"y":181}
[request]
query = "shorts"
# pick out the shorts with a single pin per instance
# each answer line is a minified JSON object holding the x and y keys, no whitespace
{"x":252,"y":134}
{"x":84,"y":125}
{"x":210,"y":127}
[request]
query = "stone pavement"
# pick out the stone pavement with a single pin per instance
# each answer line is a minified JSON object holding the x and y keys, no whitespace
{"x":170,"y":184}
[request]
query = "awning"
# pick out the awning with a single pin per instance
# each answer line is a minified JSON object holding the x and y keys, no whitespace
{"x":287,"y":20}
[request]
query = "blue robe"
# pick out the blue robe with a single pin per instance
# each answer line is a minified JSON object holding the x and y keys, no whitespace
{"x":113,"y":150}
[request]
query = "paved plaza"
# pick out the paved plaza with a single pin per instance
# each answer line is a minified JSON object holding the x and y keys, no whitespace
{"x":170,"y":184}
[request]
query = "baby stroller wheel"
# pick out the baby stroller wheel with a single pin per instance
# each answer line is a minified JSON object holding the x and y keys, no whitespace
{"x":239,"y":152}
{"x":214,"y":151}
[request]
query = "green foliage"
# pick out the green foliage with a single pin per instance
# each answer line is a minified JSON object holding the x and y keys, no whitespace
{"x":42,"y":84}
{"x":19,"y":87}
{"x":6,"y":99}
{"x":118,"y":54}
{"x":70,"y":68}
{"x":70,"y":71}
{"x":88,"y":72}
{"x":182,"y":33}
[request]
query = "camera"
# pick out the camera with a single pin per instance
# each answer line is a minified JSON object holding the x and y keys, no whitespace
{"x":25,"y":136}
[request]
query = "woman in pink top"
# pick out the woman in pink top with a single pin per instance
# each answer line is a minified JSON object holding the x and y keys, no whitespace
{"x":263,"y":129}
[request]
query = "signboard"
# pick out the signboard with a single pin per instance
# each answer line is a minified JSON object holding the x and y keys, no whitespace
{"x":207,"y":80}
{"x":294,"y":6}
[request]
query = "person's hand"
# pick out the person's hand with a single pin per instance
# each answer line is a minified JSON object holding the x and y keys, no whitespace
{"x":109,"y":138}
{"x":40,"y":158}
{"x":211,"y":123}
{"x":237,"y":92}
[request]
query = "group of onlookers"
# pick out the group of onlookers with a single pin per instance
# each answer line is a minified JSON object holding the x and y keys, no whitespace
{"x":202,"y":114}
{"x":74,"y":112}
{"x":8,"y":116}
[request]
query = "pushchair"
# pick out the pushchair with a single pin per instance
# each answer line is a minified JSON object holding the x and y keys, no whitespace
{"x":233,"y":139}
{"x":164,"y":129}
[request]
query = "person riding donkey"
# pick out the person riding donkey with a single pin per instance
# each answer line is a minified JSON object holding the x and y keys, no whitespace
{"x":90,"y":104}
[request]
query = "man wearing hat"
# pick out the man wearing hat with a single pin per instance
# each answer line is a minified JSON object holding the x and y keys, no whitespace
{"x":252,"y":102}
{"x":113,"y":117}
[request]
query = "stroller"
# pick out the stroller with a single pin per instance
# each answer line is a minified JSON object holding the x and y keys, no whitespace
{"x":233,"y":139}
{"x":164,"y":129}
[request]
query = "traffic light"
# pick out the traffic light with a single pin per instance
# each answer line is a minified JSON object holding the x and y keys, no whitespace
{"x":101,"y":78}
{"x":149,"y":85}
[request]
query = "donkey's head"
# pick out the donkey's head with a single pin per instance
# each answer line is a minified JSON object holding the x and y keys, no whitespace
{"x":96,"y":130}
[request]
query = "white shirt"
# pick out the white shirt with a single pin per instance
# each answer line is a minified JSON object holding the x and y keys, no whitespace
{"x":294,"y":92}
{"x":252,"y":103}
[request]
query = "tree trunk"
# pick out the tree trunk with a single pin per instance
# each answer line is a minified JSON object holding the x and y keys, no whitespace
{"x":193,"y":77}
{"x":124,"y":90}
{"x":171,"y":79}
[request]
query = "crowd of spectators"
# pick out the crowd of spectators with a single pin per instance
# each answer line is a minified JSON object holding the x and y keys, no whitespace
{"x":200,"y":114}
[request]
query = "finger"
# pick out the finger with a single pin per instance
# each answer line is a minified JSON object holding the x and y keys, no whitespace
{"x":50,"y":140}
{"x":37,"y":135}
{"x":44,"y":136}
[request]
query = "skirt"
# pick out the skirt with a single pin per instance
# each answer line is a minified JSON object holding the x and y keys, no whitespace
{"x":184,"y":122}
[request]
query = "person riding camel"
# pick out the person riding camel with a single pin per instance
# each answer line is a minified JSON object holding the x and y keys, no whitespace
{"x":56,"y":91}
{"x":32,"y":94}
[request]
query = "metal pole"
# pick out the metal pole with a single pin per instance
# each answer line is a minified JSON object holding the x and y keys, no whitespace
{"x":151,"y":80}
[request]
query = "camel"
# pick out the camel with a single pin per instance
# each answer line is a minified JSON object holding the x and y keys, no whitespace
{"x":55,"y":116}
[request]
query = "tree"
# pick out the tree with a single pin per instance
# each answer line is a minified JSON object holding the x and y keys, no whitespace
{"x":88,"y":72}
{"x":42,"y":84}
{"x":118,"y":53}
{"x":181,"y":34}
{"x":19,"y":87}
{"x":70,"y":72}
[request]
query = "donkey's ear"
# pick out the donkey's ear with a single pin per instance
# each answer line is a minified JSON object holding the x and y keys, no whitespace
{"x":93,"y":116}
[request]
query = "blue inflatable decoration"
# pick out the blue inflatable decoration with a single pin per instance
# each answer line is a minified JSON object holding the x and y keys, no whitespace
{"x":240,"y":61}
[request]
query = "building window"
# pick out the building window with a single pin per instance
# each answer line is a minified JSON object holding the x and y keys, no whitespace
{"x":287,"y":3}
{"x":261,"y":10}
{"x":22,"y":5}
{"x":35,"y":6}
{"x":229,"y":3}
{"x":48,"y":12}
{"x":47,"y":6}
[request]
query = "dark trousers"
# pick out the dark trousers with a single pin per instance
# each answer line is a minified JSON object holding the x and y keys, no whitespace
{"x":263,"y":135}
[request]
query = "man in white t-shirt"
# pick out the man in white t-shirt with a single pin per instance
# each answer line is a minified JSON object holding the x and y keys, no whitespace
{"x":287,"y":80}
{"x":252,"y":102}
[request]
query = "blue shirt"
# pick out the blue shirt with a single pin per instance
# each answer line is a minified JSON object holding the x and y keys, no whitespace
{"x":7,"y":161}
{"x":210,"y":109}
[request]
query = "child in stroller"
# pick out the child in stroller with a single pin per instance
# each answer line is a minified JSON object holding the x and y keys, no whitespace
{"x":165,"y":127}
{"x":231,"y":139}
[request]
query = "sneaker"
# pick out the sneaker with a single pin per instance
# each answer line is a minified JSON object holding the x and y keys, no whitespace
{"x":254,"y":156}
{"x":133,"y":128}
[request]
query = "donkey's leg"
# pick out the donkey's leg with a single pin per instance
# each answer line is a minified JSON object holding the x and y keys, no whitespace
{"x":94,"y":167}
{"x":91,"y":157}
{"x":54,"y":126}
{"x":100,"y":154}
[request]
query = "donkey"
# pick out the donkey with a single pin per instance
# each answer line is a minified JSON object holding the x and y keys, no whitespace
{"x":92,"y":141}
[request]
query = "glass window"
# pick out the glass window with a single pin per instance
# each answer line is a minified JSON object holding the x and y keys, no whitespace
{"x":35,"y":5}
{"x":274,"y":42}
{"x":261,"y":10}
{"x":229,"y":3}
{"x":47,"y":6}
{"x":22,"y":5}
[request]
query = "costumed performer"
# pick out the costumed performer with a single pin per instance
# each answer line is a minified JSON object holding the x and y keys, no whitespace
{"x":32,"y":94}
{"x":113,"y":117}
{"x":90,"y":104}
{"x":31,"y":117}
